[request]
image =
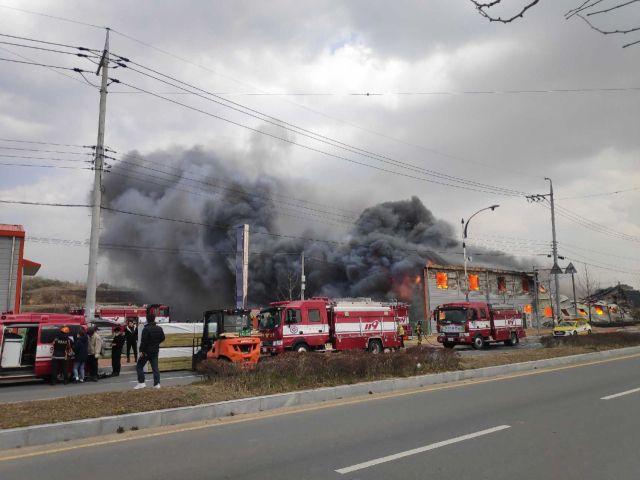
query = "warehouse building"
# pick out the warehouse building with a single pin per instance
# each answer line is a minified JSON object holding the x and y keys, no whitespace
{"x":446,"y":284}
{"x":13,"y":267}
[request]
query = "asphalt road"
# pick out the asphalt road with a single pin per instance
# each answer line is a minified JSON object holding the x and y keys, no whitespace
{"x":553,"y":424}
{"x":39,"y":390}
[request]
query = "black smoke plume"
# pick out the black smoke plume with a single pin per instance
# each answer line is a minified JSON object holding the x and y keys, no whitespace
{"x":377,"y":253}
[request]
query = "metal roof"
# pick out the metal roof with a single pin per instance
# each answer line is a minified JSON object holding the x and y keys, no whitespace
{"x":7,"y":230}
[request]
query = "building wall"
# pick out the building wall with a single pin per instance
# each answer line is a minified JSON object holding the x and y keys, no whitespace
{"x":488,"y":291}
{"x":8,"y":298}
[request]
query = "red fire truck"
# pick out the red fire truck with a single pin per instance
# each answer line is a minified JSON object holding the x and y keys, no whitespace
{"x":121,"y":314}
{"x":477,"y":324}
{"x":319,"y":324}
{"x":25,"y":342}
{"x":402,"y":314}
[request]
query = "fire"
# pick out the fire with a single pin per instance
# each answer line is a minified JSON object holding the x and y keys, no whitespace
{"x":418,"y":279}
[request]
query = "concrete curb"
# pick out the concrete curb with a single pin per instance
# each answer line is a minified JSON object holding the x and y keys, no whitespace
{"x":57,"y":432}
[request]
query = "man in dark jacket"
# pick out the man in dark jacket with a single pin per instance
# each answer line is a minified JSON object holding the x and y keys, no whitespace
{"x":131,"y":334}
{"x":116,"y":351}
{"x":61,"y":348}
{"x":152,"y":337}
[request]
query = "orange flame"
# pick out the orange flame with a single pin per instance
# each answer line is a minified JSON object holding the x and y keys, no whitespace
{"x":418,"y":279}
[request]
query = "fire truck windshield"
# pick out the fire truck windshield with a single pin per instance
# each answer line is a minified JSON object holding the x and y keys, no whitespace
{"x":452,"y":315}
{"x":270,"y":318}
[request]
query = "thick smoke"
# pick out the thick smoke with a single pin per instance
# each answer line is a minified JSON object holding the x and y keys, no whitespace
{"x":380,"y":255}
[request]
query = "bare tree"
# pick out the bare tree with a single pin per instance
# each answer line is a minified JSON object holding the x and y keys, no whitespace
{"x":286,"y":289}
{"x":589,"y":285}
{"x":584,"y":10}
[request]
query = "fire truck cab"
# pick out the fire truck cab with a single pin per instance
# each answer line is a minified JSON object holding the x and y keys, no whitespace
{"x":25,"y":342}
{"x":319,"y":324}
{"x":477,"y":324}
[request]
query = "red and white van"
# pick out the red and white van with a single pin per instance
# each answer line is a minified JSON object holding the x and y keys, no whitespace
{"x":319,"y":324}
{"x":26,"y":342}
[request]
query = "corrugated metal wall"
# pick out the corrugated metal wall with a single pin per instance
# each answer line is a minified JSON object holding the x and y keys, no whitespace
{"x":8,"y":299}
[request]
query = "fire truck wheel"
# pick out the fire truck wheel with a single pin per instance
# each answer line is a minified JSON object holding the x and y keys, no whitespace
{"x":478,"y":343}
{"x":375,"y":347}
{"x":513,"y":340}
{"x":302,"y":347}
{"x":449,"y":345}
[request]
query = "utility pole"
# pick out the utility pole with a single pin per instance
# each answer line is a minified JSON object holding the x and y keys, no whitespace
{"x":92,"y":276}
{"x":535,"y":298}
{"x":302,"y":277}
{"x":572,"y":270}
{"x":242,"y":266}
{"x":556,"y":269}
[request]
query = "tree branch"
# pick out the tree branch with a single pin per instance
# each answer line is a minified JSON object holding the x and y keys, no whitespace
{"x":613,"y":8}
{"x":609,"y":32}
{"x":482,"y":6}
{"x":582,"y":7}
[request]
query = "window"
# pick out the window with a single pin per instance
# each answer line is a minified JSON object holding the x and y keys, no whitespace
{"x":473,"y":282}
{"x":293,"y":316}
{"x":442,"y":281}
{"x":525,"y":284}
{"x":473,"y":314}
{"x":542,"y":289}
{"x":565,"y":312}
{"x":502,"y":284}
{"x":527,"y":309}
{"x":163,"y":312}
{"x":582,"y":312}
{"x":613,"y":309}
{"x":483,"y":313}
{"x":314,"y":316}
{"x":599,"y":310}
{"x":548,"y":312}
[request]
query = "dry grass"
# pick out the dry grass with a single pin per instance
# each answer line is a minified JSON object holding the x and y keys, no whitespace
{"x":496,"y":359}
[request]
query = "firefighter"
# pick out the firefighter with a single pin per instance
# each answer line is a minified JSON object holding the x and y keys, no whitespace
{"x":419,"y":333}
{"x":116,"y":351}
{"x":400,"y":332}
{"x":61,"y":349}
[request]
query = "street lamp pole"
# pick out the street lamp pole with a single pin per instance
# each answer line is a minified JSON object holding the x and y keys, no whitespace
{"x":464,"y":244}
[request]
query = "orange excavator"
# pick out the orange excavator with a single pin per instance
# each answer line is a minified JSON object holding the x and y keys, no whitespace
{"x":226,"y":335}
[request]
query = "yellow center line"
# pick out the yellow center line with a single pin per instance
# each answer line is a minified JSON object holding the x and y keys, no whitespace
{"x":462,"y":383}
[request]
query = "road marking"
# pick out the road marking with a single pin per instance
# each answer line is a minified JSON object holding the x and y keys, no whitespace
{"x":621,"y":394}
{"x":415,"y":451}
{"x":310,"y":409}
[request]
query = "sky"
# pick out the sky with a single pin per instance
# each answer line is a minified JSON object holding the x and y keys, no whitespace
{"x":586,"y":142}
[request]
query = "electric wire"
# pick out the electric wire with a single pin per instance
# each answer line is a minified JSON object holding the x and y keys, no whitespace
{"x":309,"y":134}
{"x":51,"y":43}
{"x":601,"y":194}
{"x":52,"y":16}
{"x":322,"y":151}
{"x":46,"y":49}
{"x":46,"y":143}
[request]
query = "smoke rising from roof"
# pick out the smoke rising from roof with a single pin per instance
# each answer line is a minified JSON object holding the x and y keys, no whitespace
{"x":379,"y":256}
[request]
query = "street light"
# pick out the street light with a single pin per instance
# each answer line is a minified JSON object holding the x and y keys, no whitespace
{"x":572,"y":270}
{"x":464,"y":244}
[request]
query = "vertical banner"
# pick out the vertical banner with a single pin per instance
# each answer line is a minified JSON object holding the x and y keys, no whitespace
{"x":242,"y":266}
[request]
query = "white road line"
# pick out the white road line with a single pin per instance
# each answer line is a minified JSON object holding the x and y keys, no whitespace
{"x":415,"y":451}
{"x":621,"y":394}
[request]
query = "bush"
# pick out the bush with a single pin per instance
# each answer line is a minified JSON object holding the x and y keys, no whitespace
{"x":597,"y":340}
{"x":295,"y":370}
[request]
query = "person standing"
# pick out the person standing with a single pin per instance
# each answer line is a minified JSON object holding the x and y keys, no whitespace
{"x":61,"y":348}
{"x":131,"y":335}
{"x":116,"y":351}
{"x":95,"y":346}
{"x":151,"y":338}
{"x":419,"y":333}
{"x":80,"y":348}
{"x":400,"y":333}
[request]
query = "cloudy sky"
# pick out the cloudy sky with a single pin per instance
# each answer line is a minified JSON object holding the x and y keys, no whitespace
{"x":587,"y":142}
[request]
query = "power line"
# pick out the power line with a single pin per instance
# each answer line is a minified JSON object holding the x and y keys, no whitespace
{"x":41,"y":158}
{"x":597,"y":261}
{"x":43,"y":204}
{"x":307,"y":133}
{"x":597,"y":225}
{"x":46,"y":143}
{"x":43,"y":151}
{"x":82,"y":55}
{"x":601,"y":253}
{"x":52,"y":16}
{"x":321,"y":151}
{"x":43,"y":166}
{"x":421,"y":147}
{"x":51,"y":43}
{"x":43,"y":65}
{"x":601,"y":194}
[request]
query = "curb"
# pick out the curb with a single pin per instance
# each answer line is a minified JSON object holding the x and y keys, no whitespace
{"x":58,"y":432}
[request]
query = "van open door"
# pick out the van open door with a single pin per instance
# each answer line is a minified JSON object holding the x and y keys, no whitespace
{"x":18,"y":350}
